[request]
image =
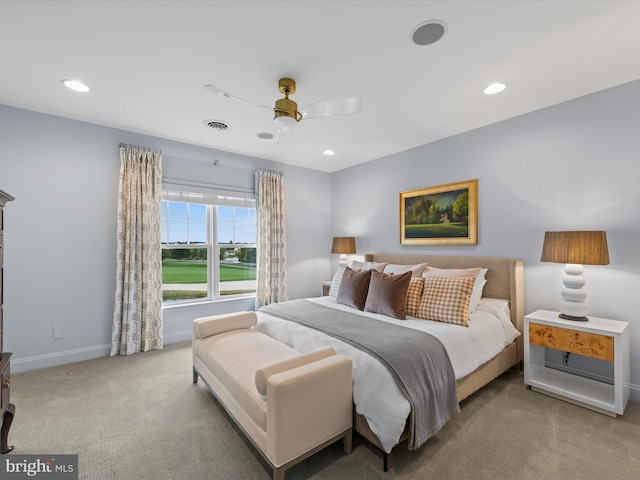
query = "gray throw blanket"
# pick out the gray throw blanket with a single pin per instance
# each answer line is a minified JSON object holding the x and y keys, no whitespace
{"x":417,"y":360}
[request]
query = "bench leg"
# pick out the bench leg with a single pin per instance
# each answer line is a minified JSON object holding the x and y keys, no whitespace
{"x":195,"y":376}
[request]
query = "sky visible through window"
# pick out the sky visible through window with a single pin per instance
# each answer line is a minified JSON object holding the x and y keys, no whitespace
{"x":186,"y":223}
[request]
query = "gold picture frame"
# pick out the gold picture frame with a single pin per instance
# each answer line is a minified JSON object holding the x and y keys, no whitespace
{"x":440,"y":215}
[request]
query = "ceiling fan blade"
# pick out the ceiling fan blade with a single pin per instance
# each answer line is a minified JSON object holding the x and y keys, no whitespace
{"x":342,"y":106}
{"x":218,"y":91}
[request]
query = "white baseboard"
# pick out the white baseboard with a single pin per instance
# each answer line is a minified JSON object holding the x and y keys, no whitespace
{"x":59,"y":358}
{"x":177,"y":337}
{"x":38,"y":362}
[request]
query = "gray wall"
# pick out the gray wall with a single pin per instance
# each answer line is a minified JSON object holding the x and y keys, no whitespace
{"x":61,"y":231}
{"x":570,"y":166}
{"x":573,"y":166}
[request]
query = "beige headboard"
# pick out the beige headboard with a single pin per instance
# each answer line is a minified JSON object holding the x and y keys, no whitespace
{"x":504,"y":277}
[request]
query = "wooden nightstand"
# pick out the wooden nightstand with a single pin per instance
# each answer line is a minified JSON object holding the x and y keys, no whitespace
{"x":598,"y":338}
{"x":326,"y":286}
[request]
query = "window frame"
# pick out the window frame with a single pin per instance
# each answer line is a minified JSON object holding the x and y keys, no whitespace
{"x":211,"y":200}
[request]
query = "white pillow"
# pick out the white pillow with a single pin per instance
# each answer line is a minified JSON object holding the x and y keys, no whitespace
{"x":335,"y":282}
{"x":356,"y":265}
{"x":397,"y":269}
{"x":452,"y":272}
{"x":497,"y":303}
{"x":476,"y":295}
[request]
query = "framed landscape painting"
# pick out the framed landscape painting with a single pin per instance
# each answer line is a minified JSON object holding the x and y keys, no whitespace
{"x":442,"y":215}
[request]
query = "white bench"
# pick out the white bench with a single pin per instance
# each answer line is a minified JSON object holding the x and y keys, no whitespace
{"x":290,"y":405}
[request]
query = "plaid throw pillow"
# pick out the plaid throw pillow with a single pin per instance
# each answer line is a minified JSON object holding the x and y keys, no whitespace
{"x":414,"y":294}
{"x":446,"y":299}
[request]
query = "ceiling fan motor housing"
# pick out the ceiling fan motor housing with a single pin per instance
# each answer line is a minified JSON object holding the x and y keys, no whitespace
{"x":286,"y":107}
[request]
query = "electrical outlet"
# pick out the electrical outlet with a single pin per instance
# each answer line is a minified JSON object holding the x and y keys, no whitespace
{"x":58,"y":332}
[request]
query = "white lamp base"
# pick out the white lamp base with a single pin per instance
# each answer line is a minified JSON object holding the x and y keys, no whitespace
{"x":343,"y":260}
{"x":573,"y":305}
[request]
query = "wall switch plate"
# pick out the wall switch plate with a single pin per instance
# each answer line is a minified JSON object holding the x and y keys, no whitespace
{"x":58,"y":332}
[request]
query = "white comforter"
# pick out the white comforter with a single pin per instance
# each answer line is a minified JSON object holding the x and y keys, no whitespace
{"x":375,"y":393}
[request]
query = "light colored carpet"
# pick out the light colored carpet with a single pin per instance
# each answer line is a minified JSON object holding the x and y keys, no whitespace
{"x":142,"y":417}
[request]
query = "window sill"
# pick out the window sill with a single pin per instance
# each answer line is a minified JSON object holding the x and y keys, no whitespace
{"x":209,"y":303}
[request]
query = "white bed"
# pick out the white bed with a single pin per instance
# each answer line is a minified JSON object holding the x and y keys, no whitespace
{"x":480,"y":352}
{"x":376,"y":395}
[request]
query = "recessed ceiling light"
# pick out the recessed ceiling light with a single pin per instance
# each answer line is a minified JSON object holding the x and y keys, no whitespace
{"x":328,"y":153}
{"x":429,"y":32}
{"x":494,"y":88}
{"x":75,"y":85}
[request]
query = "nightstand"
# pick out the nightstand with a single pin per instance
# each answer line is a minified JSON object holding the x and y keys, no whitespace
{"x":598,"y":338}
{"x":326,"y":286}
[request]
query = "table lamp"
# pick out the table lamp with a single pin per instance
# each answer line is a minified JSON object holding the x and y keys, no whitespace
{"x":575,"y":248}
{"x":343,"y":246}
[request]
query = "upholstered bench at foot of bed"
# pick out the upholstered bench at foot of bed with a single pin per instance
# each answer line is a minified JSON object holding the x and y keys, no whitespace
{"x":290,"y":405}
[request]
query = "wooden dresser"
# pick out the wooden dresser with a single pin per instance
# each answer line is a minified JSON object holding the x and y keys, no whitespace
{"x":6,"y":407}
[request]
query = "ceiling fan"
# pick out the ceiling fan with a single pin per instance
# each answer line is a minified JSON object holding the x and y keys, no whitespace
{"x":286,"y":111}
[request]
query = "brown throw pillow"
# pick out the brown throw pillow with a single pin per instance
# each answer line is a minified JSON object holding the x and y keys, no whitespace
{"x":353,"y":288}
{"x":387,"y":294}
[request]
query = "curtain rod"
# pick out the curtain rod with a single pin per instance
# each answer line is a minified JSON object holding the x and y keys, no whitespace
{"x":215,"y":162}
{"x":269,"y":171}
{"x":136,"y":147}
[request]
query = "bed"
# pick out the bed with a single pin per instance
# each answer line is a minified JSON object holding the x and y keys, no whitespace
{"x":381,"y":413}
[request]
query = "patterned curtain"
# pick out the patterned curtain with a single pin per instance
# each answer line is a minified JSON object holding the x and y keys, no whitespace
{"x":137,"y":315}
{"x":271,"y":241}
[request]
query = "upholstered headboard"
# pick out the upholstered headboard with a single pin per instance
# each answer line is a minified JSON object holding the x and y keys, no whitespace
{"x":504,"y":278}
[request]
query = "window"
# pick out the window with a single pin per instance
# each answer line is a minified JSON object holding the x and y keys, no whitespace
{"x":208,"y":247}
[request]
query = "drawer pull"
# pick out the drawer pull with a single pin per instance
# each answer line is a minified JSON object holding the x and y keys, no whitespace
{"x":6,"y":383}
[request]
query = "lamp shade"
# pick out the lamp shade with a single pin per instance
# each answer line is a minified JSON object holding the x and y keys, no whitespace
{"x":344,"y":245}
{"x":576,"y":247}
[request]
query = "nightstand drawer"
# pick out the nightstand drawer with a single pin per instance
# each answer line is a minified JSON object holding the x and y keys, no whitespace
{"x":582,"y":343}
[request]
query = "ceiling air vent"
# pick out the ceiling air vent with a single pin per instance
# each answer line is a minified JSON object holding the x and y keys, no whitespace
{"x":216,"y":125}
